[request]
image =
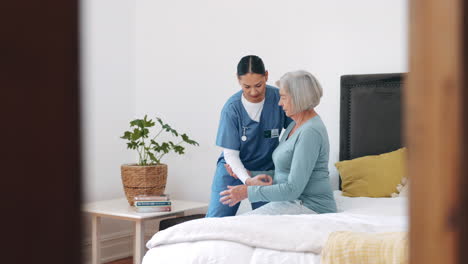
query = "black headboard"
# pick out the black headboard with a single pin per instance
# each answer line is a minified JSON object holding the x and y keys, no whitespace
{"x":370,"y":114}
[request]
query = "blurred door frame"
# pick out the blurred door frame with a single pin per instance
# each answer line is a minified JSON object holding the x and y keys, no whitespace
{"x":436,"y":126}
{"x":40,"y":132}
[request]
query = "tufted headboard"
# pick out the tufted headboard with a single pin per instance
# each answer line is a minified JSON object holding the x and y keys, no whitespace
{"x":370,"y":114}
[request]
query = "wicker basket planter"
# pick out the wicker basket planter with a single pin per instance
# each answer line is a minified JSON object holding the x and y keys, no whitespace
{"x":149,"y":180}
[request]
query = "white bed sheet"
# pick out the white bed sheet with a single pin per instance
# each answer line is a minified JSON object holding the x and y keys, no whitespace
{"x":226,"y":252}
{"x":221,"y":251}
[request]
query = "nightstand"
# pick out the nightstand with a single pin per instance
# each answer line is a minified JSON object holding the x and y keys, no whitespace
{"x":120,"y":209}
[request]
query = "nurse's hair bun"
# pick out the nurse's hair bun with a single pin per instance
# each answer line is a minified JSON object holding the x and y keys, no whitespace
{"x":250,"y":64}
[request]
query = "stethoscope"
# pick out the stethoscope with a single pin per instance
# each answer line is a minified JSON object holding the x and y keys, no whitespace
{"x":244,"y":137}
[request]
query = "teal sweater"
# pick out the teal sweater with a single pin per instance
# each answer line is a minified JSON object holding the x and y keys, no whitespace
{"x":301,"y":169}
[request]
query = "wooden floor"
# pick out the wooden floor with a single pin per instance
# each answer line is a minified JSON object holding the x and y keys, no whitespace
{"x":128,"y":260}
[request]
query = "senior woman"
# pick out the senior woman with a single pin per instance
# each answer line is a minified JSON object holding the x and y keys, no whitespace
{"x":301,"y":181}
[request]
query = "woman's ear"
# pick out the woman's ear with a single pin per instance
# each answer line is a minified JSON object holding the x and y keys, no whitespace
{"x":266,"y":76}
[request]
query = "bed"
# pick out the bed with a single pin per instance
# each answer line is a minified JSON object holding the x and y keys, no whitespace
{"x":370,"y":109}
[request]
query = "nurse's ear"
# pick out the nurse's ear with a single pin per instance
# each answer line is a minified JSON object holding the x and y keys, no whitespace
{"x":266,"y":76}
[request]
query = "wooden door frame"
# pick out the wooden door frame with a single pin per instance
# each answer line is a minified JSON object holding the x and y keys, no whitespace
{"x":463,"y":238}
{"x":40,"y":132}
{"x":434,"y":131}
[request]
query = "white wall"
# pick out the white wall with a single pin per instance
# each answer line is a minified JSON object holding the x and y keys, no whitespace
{"x":108,"y":103}
{"x":108,"y":94}
{"x":177,"y":60}
{"x":187,"y":52}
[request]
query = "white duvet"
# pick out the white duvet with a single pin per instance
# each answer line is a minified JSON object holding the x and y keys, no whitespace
{"x":272,"y":239}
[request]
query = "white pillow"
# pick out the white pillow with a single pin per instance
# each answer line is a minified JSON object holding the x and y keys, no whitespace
{"x":371,"y":206}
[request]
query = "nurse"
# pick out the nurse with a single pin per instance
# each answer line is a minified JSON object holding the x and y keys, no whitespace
{"x":250,"y":124}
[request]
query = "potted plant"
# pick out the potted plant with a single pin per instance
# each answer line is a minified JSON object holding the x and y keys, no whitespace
{"x":149,"y":175}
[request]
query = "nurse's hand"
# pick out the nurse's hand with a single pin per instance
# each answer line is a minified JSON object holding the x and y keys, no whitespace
{"x":229,"y":170}
{"x":233,"y":195}
{"x":262,"y":179}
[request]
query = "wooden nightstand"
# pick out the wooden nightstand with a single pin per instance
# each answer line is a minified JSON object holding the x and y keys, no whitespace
{"x":120,"y":209}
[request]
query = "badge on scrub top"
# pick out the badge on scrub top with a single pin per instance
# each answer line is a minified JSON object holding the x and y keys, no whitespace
{"x":273,"y":133}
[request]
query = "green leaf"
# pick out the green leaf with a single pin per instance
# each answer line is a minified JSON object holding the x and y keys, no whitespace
{"x":166,"y":127}
{"x":127,"y":135}
{"x":137,"y":122}
{"x":188,"y":140}
{"x":179,"y":149}
{"x":150,"y":123}
{"x":160,"y":121}
{"x":165,"y":147}
{"x":147,"y":123}
{"x":153,"y":158}
{"x":136,"y":134}
{"x":145,"y":132}
{"x":156,"y":147}
{"x":132,"y":145}
{"x":174,"y":132}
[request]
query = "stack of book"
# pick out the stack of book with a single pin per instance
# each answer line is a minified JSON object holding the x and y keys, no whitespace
{"x":152,"y":203}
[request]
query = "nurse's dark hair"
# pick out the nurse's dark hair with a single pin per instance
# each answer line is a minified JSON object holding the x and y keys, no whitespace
{"x":250,"y":64}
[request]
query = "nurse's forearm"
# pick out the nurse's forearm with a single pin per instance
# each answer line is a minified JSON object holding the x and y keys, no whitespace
{"x":232,"y":159}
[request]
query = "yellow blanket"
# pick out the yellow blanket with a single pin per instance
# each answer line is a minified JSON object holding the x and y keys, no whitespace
{"x":345,"y":247}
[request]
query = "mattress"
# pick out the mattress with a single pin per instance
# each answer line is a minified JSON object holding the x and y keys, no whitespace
{"x":280,"y":243}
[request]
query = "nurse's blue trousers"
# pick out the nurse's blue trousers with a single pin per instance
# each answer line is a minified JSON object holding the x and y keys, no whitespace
{"x":220,"y":182}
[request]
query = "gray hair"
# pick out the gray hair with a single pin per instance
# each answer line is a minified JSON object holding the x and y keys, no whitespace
{"x":304,"y":89}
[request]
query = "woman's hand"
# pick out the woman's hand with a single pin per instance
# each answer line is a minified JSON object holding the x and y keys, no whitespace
{"x":233,"y":195}
{"x":262,"y":179}
{"x":229,"y":170}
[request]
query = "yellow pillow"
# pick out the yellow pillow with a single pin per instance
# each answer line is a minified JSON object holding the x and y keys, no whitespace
{"x":372,"y":176}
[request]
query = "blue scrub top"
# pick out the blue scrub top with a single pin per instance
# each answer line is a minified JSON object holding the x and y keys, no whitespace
{"x":262,"y":137}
